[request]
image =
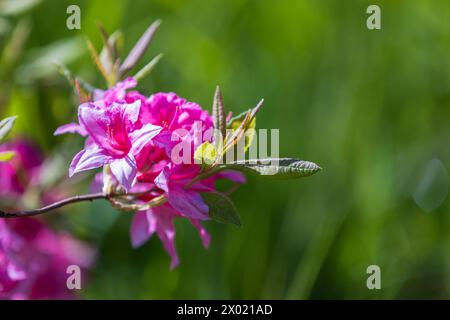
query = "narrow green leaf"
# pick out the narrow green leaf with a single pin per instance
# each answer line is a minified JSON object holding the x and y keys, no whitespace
{"x":241,"y":124}
{"x":147,"y":69}
{"x":38,"y":63}
{"x":96,"y":58}
{"x":13,"y":48}
{"x":278,"y":168}
{"x":107,"y":55}
{"x":6,"y":156}
{"x":221,"y":208}
{"x":17,"y":7}
{"x":6,"y":126}
{"x":218,"y":113}
{"x":88,"y":88}
{"x":139,"y":49}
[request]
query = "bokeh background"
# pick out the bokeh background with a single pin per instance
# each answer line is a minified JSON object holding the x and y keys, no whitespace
{"x":371,"y":107}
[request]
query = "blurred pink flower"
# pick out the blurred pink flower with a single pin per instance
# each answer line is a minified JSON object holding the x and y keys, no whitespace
{"x":22,"y":170}
{"x":34,"y":260}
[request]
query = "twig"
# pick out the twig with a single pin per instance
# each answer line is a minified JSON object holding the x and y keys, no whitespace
{"x":53,"y":206}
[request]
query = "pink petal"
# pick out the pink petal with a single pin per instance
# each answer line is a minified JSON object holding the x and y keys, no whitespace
{"x":87,"y":159}
{"x":139,"y":138}
{"x":162,"y":218}
{"x":93,"y":120}
{"x":234,"y":176}
{"x":70,"y":128}
{"x":162,"y":180}
{"x":131,"y":111}
{"x":124,"y":170}
{"x":188,"y":203}
{"x":15,"y":273}
{"x":206,"y":238}
{"x":140,"y":230}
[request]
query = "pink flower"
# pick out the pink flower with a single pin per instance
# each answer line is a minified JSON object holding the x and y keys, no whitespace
{"x":136,"y":136}
{"x":22,"y":170}
{"x":34,"y":260}
{"x":160,"y":220}
{"x":115,"y":139}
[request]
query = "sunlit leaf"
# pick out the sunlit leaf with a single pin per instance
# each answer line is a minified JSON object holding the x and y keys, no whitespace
{"x":206,"y":153}
{"x":6,"y":126}
{"x":277,"y":168}
{"x":218,"y":112}
{"x":6,"y":155}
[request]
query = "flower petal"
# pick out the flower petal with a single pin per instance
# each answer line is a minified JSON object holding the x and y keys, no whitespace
{"x":140,"y":231}
{"x":162,"y":218}
{"x":204,"y":235}
{"x":131,"y":111}
{"x":124,"y":170}
{"x":94,"y":121}
{"x":87,"y":159}
{"x":188,"y":203}
{"x":71,"y":128}
{"x":232,"y":175}
{"x":162,"y":180}
{"x":139,"y":138}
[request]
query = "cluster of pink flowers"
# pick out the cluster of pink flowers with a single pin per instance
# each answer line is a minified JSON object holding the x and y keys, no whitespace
{"x":33,"y":258}
{"x":134,"y":135}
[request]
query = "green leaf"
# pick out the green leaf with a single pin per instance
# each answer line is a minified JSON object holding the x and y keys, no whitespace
{"x":249,"y":131}
{"x":139,"y":49}
{"x":278,"y":168}
{"x":6,"y":156}
{"x":6,"y":126}
{"x":147,"y":69}
{"x":39,"y":62}
{"x":240,"y":125}
{"x":88,"y":88}
{"x":221,"y":208}
{"x":218,"y":112}
{"x":13,"y":49}
{"x":17,"y":7}
{"x":206,"y":153}
{"x":107,"y":55}
{"x":96,"y":58}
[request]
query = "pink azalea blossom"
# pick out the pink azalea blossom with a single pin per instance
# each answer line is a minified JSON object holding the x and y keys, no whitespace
{"x":115,"y":140}
{"x":136,"y":135}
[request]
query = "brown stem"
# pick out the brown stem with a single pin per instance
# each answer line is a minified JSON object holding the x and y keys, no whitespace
{"x":53,"y":206}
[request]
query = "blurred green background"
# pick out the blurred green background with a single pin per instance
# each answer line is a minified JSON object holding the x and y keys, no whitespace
{"x":371,"y":107}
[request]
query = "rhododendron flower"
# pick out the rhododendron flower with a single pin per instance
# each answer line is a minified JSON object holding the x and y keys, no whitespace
{"x":34,"y":260}
{"x":136,"y":137}
{"x":115,"y":138}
